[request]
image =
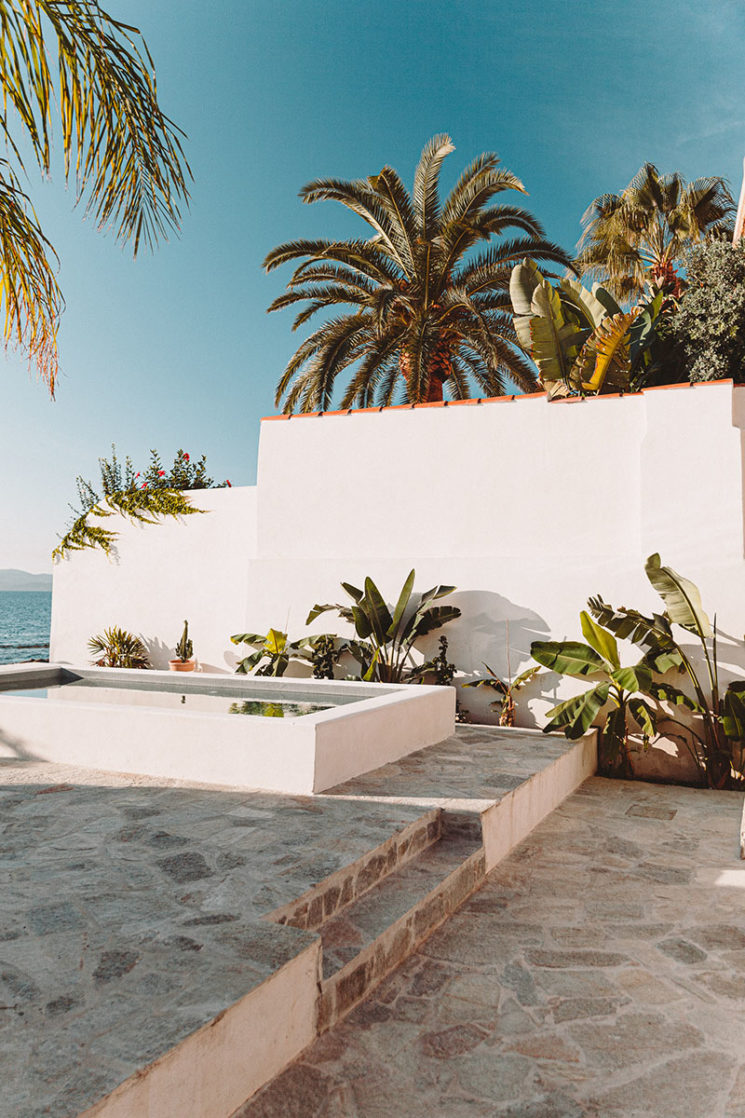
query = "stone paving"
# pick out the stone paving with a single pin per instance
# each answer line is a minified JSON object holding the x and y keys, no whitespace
{"x":469,"y":771}
{"x":130,"y":907}
{"x":129,"y":915}
{"x":599,"y":973}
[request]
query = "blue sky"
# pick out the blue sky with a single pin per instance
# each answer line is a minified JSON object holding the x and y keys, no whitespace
{"x":176,"y":349}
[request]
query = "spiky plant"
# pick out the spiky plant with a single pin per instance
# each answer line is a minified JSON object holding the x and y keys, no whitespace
{"x":641,"y":234}
{"x":116,"y":648}
{"x":426,"y":309}
{"x":71,"y":60}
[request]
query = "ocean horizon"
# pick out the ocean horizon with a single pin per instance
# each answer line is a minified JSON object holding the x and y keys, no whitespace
{"x":25,"y":621}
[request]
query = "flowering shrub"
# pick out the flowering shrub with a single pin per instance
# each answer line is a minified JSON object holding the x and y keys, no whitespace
{"x":139,"y":495}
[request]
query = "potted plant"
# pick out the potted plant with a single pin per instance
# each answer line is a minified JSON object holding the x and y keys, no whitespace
{"x":116,"y":648}
{"x":184,"y":661}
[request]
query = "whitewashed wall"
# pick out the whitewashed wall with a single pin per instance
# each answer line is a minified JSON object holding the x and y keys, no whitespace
{"x":159,"y":575}
{"x":527,"y":507}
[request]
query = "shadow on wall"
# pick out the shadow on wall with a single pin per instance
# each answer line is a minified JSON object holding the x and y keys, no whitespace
{"x":496,"y":631}
{"x":160,"y":653}
{"x":13,"y":749}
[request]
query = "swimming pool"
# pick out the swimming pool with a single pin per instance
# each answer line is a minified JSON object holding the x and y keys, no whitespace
{"x":290,"y":735}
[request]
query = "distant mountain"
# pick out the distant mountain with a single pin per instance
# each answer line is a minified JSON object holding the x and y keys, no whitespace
{"x":11,"y":579}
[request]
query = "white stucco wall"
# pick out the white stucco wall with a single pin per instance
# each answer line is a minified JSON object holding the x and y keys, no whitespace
{"x":527,"y":507}
{"x":195,"y":568}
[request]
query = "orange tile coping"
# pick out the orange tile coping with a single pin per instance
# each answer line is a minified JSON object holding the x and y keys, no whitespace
{"x":495,"y":400}
{"x":698,"y":384}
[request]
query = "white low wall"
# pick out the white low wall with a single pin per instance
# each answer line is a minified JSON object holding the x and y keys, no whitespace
{"x":527,"y":507}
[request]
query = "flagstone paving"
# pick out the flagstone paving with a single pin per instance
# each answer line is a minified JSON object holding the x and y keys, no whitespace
{"x":599,"y":973}
{"x":133,"y":910}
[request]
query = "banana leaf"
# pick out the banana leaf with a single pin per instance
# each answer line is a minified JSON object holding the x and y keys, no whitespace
{"x":576,"y":716}
{"x":606,"y":300}
{"x":653,"y":633}
{"x":666,"y":693}
{"x":643,"y":715}
{"x":492,"y":681}
{"x":426,"y":622}
{"x":733,"y":712}
{"x":435,"y":593}
{"x":377,"y":614}
{"x":603,"y":642}
{"x":568,"y":657}
{"x":275,"y":642}
{"x":318,"y":610}
{"x":638,"y":678}
{"x":681,"y":597}
{"x":248,"y":663}
{"x":524,"y":279}
{"x":591,"y":310}
{"x":605,"y":355}
{"x":524,"y":678}
{"x":353,"y":591}
{"x":248,"y":638}
{"x":403,"y":601}
{"x":362,"y":622}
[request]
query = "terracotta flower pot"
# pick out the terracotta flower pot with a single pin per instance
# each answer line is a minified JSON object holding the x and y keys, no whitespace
{"x":181,"y":665}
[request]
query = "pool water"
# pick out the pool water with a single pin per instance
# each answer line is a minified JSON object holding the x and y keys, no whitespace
{"x":170,"y":696}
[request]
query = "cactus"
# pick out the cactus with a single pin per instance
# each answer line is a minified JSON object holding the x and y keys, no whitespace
{"x":185,"y":648}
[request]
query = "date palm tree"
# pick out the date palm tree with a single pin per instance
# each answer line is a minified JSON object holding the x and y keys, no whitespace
{"x":71,"y":61}
{"x":425,"y":309}
{"x":640,"y":234}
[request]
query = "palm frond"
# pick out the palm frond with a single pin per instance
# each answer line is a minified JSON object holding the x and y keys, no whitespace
{"x":426,"y":193}
{"x":29,"y":293}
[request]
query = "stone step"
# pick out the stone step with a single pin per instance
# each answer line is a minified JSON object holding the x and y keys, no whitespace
{"x":370,"y":937}
{"x":344,"y":887}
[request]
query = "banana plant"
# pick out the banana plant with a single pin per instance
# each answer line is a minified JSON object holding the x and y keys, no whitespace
{"x":506,"y":691}
{"x":272,"y":652}
{"x":616,"y":694}
{"x":719,"y":733}
{"x":384,"y":640}
{"x":565,"y":329}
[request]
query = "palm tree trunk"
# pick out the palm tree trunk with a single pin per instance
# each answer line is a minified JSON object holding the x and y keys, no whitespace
{"x":439,"y":371}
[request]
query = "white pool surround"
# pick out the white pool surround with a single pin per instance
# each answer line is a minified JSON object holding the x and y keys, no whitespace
{"x":113,"y":731}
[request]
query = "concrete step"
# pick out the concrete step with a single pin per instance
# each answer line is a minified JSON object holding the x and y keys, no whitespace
{"x":371,"y":936}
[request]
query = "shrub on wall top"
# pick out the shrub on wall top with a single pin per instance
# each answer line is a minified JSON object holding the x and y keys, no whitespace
{"x":710,"y":321}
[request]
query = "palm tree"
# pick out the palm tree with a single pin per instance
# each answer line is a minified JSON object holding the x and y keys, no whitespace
{"x":425,"y":310}
{"x":70,"y":59}
{"x":640,"y":234}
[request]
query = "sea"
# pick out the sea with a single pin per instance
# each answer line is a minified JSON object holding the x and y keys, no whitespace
{"x":25,"y":618}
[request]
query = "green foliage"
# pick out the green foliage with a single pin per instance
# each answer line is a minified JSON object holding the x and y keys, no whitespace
{"x":385,"y":639}
{"x":140,"y":497}
{"x":577,"y":338}
{"x":416,"y":305}
{"x":116,"y":648}
{"x":439,"y":667}
{"x":272,"y":652}
{"x":638,"y":237}
{"x":185,"y":648}
{"x":709,"y":325}
{"x":716,"y":728}
{"x":506,"y":691}
{"x":325,"y":651}
{"x":615,"y":694}
{"x":71,"y":67}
